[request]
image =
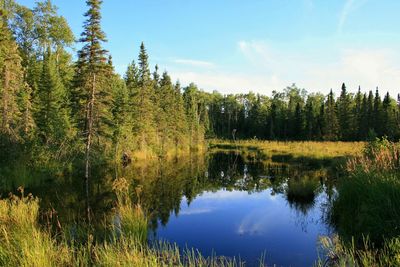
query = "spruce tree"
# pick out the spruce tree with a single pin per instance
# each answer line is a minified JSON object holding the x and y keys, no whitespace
{"x":332,"y":125}
{"x":357,"y":115}
{"x":143,"y":104}
{"x":344,"y":114}
{"x":91,"y":96}
{"x":377,"y":114}
{"x":52,"y":116}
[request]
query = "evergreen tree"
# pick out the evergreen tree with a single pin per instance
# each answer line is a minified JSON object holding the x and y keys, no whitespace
{"x":377,"y":114}
{"x":344,"y":114}
{"x":370,"y":113}
{"x":92,"y":97}
{"x":52,"y":116}
{"x":309,"y":120}
{"x":332,"y":125}
{"x":11,"y":83}
{"x":143,"y":104}
{"x":357,"y":117}
{"x":298,"y":122}
{"x":364,"y":117}
{"x":389,"y":117}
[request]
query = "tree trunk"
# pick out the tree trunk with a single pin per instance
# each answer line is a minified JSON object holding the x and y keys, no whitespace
{"x":89,"y":123}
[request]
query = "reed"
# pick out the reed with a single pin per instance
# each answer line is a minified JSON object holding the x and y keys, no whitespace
{"x":24,"y":243}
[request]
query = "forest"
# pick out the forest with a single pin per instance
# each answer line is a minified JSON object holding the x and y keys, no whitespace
{"x":52,"y":98}
{"x":66,"y":112}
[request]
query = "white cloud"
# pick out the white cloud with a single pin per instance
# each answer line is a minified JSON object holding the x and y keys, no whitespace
{"x":367,"y":67}
{"x":192,"y":62}
{"x":349,"y":6}
{"x":230,"y":82}
{"x":256,"y":51}
{"x":260,"y":221}
{"x":195,"y":211}
{"x":268,"y":67}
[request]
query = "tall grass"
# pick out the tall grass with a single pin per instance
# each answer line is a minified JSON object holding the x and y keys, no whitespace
{"x":24,"y":243}
{"x":340,"y":253}
{"x":366,"y":212}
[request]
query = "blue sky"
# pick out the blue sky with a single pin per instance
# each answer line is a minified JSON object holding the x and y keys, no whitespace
{"x":235,"y":46}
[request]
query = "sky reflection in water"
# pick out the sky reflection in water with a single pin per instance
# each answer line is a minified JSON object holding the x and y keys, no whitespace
{"x":238,"y":223}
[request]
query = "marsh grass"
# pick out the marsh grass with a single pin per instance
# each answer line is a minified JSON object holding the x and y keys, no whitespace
{"x":310,"y":154}
{"x":366,"y":212}
{"x":23,"y":242}
{"x":312,"y":149}
{"x":339,"y":253}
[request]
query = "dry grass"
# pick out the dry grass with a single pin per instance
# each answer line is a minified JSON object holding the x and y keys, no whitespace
{"x":311,"y":149}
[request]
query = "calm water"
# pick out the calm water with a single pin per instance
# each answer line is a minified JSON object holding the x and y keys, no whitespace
{"x":236,"y":204}
{"x":248,"y":208}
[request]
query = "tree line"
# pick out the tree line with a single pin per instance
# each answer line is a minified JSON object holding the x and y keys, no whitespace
{"x":295,"y":115}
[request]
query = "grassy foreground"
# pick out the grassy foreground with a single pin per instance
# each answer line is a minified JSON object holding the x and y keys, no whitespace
{"x":23,"y":242}
{"x":366,"y":212}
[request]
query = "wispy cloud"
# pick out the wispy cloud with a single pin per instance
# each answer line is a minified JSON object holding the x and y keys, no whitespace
{"x":269,"y":67}
{"x":256,"y":51}
{"x":349,"y":6}
{"x":196,"y":211}
{"x":230,"y":82}
{"x":195,"y":63}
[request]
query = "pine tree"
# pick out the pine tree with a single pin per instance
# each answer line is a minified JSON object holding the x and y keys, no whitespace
{"x":357,"y":115}
{"x":389,"y":117}
{"x":370,"y":114}
{"x":143,"y":104}
{"x":298,"y":122}
{"x":52,"y":116}
{"x":344,"y":114}
{"x":179,"y":119}
{"x":309,"y":120}
{"x":364,"y":117}
{"x":377,"y":114}
{"x":91,"y":95}
{"x":332,"y":125}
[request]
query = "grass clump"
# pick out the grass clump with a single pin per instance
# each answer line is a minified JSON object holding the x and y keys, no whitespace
{"x":369,"y":196}
{"x":22,"y":242}
{"x":340,"y":253}
{"x":366,"y":211}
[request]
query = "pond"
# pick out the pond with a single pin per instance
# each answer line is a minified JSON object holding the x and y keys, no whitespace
{"x":232,"y":203}
{"x":249,"y":208}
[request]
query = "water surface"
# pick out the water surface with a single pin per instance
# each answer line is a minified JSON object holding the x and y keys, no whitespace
{"x":232,"y":203}
{"x":248,"y":208}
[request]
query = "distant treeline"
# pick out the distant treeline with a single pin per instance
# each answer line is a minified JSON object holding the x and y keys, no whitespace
{"x":295,"y":115}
